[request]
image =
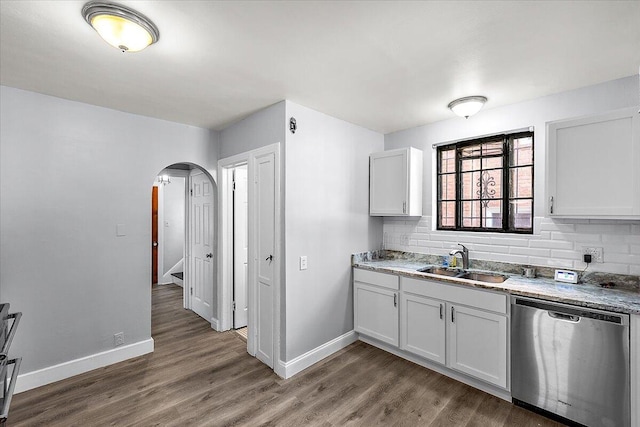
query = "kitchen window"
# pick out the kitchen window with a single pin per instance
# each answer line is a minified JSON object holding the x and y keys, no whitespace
{"x":486,"y":184}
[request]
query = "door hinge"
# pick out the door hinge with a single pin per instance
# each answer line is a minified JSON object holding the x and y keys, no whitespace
{"x":234,"y":186}
{"x":191,"y":192}
{"x":234,"y":306}
{"x":191,"y":291}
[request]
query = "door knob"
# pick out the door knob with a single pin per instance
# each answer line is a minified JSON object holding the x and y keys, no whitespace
{"x":155,"y":244}
{"x":210,"y":255}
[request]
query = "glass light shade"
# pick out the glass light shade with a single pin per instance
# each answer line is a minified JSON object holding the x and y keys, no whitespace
{"x":467,"y":106}
{"x":121,"y":33}
{"x":120,"y":26}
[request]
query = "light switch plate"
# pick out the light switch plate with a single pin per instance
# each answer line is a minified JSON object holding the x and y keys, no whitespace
{"x":566,"y":276}
{"x":303,"y":262}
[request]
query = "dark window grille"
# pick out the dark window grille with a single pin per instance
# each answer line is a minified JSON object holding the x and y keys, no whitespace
{"x":486,"y":184}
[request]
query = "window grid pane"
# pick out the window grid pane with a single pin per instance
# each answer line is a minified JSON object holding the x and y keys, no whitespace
{"x":477,"y":181}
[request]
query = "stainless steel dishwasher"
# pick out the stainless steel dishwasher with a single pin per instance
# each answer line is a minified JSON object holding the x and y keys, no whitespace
{"x":571,"y":361}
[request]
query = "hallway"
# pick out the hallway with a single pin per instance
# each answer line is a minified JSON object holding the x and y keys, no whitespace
{"x":197,"y":376}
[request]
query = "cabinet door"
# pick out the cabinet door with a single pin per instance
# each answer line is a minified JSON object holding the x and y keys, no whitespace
{"x":593,"y":166}
{"x":478,"y":344}
{"x":422,"y":327}
{"x":376,"y":312}
{"x":389,"y":183}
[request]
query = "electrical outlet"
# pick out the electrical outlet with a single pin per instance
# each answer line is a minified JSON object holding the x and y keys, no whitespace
{"x":303,"y":262}
{"x":118,"y":339}
{"x":596,"y":254}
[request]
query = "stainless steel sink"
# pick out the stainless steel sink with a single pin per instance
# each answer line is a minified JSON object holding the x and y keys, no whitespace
{"x":484,"y":277}
{"x":440,"y":271}
{"x":480,"y":277}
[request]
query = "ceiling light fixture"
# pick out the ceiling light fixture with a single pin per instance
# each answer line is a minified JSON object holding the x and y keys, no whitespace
{"x":467,"y":106}
{"x":120,"y":26}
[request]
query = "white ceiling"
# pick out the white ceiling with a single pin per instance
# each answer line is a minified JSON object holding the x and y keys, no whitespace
{"x":383,"y":65}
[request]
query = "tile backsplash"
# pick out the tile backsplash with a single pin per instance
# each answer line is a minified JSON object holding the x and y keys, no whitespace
{"x":554,"y":243}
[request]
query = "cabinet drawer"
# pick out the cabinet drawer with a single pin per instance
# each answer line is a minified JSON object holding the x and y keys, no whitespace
{"x":388,"y":281}
{"x":485,"y":300}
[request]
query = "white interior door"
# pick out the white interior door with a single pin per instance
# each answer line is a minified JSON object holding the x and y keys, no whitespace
{"x":201,"y":229}
{"x":264,"y":247}
{"x":240,"y":246}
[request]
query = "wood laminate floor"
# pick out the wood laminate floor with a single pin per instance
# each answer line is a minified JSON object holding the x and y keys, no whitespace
{"x":200,"y":377}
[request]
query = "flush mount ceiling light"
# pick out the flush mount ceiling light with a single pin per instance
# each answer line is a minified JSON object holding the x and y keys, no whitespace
{"x":120,"y":26}
{"x":467,"y":106}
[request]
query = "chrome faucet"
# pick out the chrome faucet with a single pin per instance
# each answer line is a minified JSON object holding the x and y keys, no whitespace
{"x":464,"y":252}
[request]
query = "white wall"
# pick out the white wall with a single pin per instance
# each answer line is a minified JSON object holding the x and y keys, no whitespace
{"x":173,"y":222}
{"x":69,"y":173}
{"x":554,"y":242}
{"x":326,"y":205}
{"x":327,"y":219}
{"x":262,"y":128}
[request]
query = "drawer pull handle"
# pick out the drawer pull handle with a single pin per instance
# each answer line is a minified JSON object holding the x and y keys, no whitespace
{"x":453,"y":319}
{"x":440,"y":311}
{"x":395,"y":300}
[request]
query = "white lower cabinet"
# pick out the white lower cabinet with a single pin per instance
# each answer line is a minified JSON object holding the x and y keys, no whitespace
{"x":478,"y":344}
{"x":376,"y":306}
{"x":422,"y":326}
{"x":464,"y":329}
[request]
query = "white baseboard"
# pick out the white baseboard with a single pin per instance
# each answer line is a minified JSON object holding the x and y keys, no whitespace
{"x":214,"y":324}
{"x":289,"y":369}
{"x":79,"y":366}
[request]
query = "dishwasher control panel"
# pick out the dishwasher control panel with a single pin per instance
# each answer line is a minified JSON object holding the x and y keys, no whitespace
{"x":566,"y":276}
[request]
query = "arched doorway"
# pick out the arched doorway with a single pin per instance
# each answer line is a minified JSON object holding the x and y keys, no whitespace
{"x":184,"y":238}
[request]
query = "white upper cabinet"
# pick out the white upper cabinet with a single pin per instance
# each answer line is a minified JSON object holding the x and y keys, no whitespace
{"x":593,"y":166}
{"x":395,"y":183}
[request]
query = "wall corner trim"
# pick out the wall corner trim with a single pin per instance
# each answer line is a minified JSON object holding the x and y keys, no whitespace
{"x":302,"y":362}
{"x":79,"y":366}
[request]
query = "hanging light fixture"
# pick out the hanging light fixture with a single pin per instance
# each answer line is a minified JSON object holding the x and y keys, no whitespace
{"x":164,"y":179}
{"x":120,"y":26}
{"x":467,"y":106}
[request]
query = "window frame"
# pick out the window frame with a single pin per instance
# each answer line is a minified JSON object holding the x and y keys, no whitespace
{"x":506,"y":139}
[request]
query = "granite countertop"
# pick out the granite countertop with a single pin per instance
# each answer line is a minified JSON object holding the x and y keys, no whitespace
{"x":621,"y":300}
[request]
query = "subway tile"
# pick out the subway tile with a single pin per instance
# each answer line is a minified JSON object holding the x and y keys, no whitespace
{"x":545,"y":235}
{"x":429,"y":244}
{"x":537,"y":252}
{"x":567,"y":228}
{"x":621,"y":258}
{"x":566,"y":254}
{"x":551,"y":262}
{"x":516,"y":259}
{"x":634,"y":269}
{"x":609,"y":248}
{"x":576,"y":237}
{"x":489,"y":248}
{"x":551,"y":244}
{"x":634,"y":249}
{"x":603,"y":228}
{"x":508,"y":241}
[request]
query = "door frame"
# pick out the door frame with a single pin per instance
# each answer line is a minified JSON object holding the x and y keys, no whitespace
{"x":225,"y":247}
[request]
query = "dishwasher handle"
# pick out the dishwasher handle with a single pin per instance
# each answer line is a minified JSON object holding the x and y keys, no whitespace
{"x":562,"y":316}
